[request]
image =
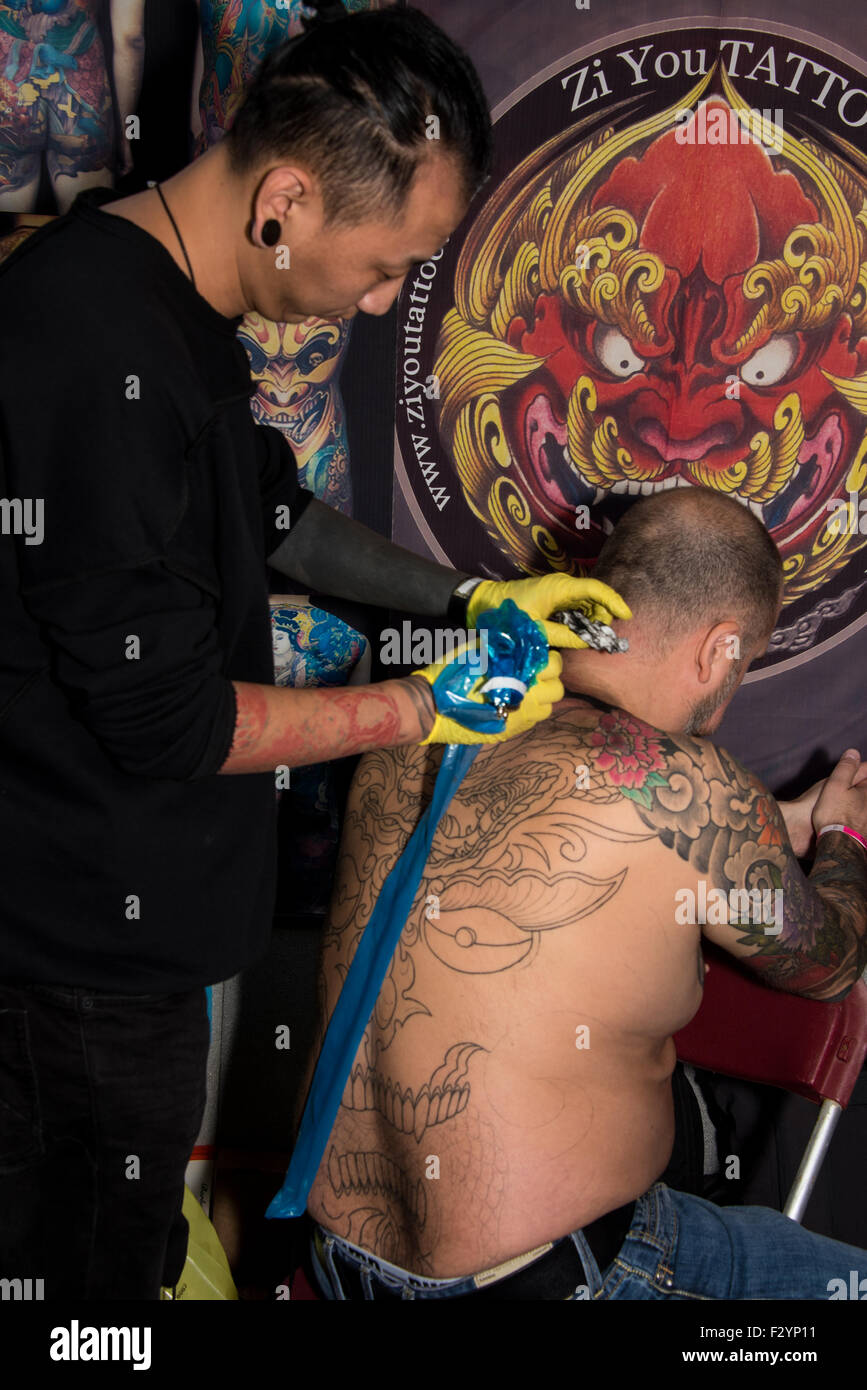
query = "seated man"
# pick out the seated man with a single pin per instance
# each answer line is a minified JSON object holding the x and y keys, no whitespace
{"x":510,"y":1106}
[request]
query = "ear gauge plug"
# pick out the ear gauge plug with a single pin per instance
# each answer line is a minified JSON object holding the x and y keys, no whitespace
{"x":271,"y":232}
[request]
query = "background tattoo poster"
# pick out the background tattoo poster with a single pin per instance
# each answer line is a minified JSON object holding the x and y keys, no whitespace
{"x":663,"y":284}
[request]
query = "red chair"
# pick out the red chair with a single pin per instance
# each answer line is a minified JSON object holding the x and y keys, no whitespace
{"x":301,"y":1290}
{"x":747,"y":1030}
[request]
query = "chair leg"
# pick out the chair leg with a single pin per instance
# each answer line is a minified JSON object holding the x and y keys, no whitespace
{"x":814,"y":1155}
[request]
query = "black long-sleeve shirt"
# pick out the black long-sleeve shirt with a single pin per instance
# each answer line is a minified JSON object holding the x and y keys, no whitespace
{"x":125,"y":861}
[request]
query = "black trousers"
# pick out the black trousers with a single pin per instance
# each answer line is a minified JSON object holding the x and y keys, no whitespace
{"x":101,"y":1101}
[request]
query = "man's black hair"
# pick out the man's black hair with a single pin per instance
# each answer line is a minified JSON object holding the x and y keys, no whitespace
{"x":692,"y":555}
{"x":352,"y":98}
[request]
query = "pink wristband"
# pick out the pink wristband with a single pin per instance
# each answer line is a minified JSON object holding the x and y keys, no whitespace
{"x":844,"y":830}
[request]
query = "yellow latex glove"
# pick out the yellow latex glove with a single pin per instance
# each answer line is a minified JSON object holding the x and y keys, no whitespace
{"x":547,"y":594}
{"x":546,"y":690}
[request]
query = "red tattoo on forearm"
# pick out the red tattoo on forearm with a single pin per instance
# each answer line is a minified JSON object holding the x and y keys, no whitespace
{"x":252,"y":717}
{"x":298,"y":727}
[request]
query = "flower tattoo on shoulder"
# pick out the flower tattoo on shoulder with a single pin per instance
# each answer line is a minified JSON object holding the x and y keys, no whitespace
{"x":632,"y":755}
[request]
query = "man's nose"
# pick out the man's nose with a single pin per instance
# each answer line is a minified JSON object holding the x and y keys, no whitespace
{"x":380,"y":299}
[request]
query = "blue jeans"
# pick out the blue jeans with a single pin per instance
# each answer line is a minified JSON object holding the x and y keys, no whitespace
{"x":678,"y":1247}
{"x":101,"y":1100}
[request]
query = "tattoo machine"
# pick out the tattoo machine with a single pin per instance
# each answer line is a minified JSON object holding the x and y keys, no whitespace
{"x":600,"y":636}
{"x":515,"y":650}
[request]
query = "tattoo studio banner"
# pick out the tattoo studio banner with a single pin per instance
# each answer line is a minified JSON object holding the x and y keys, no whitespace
{"x":664,"y":284}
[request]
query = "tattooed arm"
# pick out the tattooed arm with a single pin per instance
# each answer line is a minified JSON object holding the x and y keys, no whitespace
{"x":817,"y":945}
{"x":804,"y":935}
{"x":276,"y":724}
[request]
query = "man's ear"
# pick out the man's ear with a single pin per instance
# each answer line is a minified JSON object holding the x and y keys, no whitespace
{"x":720,"y":645}
{"x":281,"y":188}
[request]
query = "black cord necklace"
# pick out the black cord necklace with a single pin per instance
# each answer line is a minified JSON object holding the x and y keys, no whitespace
{"x":177,"y":233}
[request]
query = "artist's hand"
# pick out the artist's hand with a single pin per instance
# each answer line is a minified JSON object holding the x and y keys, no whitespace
{"x":550,"y":593}
{"x":545,"y":691}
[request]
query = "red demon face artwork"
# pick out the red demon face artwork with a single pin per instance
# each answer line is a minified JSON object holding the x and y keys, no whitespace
{"x":639,"y":310}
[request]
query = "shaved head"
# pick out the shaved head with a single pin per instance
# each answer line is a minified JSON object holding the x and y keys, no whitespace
{"x":691,"y":556}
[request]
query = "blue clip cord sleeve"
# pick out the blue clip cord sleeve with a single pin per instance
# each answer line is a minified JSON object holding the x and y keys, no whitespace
{"x":518,"y":651}
{"x":361,"y":989}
